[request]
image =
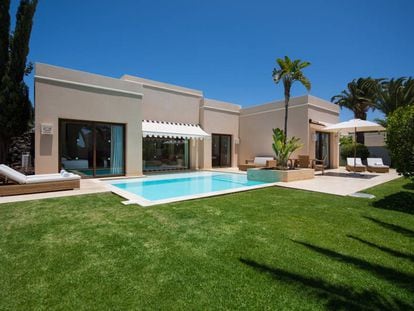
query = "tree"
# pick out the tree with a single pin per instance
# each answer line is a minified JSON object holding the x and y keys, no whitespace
{"x":4,"y":35}
{"x":360,"y":96}
{"x":16,"y":110}
{"x":395,"y":93}
{"x":290,"y":72}
{"x":400,"y":140}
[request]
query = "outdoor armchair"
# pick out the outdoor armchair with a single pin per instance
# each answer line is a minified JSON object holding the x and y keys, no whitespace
{"x":319,"y":164}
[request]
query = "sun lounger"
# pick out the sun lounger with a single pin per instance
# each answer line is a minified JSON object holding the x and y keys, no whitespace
{"x":36,"y":183}
{"x":376,"y":165}
{"x":355,"y":167}
{"x":267,"y":162}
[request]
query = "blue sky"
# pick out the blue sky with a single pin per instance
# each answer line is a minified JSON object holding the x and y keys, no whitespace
{"x":228,"y":49}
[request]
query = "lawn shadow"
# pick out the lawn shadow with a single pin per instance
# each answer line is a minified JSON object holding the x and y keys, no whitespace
{"x":407,"y":232}
{"x":383,"y":248}
{"x":402,"y":201}
{"x":409,"y":186}
{"x":335,"y":297}
{"x":393,"y":276}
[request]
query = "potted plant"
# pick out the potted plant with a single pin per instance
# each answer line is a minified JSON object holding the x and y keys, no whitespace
{"x":283,"y":149}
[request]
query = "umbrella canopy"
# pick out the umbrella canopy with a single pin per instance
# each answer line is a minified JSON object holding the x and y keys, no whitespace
{"x":355,"y":125}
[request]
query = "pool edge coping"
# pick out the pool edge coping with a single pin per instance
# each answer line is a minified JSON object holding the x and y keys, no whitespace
{"x":138,"y":200}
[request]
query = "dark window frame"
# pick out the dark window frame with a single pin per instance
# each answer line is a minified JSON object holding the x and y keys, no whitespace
{"x":172,"y":169}
{"x":93,"y":126}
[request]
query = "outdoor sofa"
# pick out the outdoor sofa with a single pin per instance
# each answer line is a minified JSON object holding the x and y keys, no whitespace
{"x":267,"y":162}
{"x":22,"y":184}
{"x":355,"y":167}
{"x":376,"y":165}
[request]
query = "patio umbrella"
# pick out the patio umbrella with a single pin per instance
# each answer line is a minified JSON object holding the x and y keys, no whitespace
{"x":355,"y":125}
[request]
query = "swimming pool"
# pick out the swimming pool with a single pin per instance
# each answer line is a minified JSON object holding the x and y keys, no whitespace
{"x":182,"y":186}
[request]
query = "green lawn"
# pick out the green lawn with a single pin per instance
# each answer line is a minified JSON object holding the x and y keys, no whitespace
{"x":271,"y":249}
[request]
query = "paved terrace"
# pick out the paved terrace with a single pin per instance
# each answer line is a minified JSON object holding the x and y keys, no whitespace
{"x":335,"y":181}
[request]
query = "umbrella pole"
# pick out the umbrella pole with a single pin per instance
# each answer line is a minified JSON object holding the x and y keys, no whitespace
{"x":355,"y":142}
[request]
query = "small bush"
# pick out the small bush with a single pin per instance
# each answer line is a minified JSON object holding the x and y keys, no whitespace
{"x":345,"y":140}
{"x":400,"y":140}
{"x":347,"y":151}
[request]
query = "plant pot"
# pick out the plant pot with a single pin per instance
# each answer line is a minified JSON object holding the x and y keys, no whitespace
{"x":275,"y":175}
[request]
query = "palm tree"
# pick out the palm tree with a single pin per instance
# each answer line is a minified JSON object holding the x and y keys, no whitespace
{"x":395,"y":93}
{"x":360,"y":96}
{"x":290,"y":72}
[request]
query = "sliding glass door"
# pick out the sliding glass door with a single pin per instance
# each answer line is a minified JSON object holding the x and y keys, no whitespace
{"x":322,"y":147}
{"x":221,"y":150}
{"x":92,"y":149}
{"x":162,"y":154}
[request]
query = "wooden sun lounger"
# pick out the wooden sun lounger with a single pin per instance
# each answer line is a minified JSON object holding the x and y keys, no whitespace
{"x":358,"y":167}
{"x":17,"y":189}
{"x":23,"y":184}
{"x":375,"y":165}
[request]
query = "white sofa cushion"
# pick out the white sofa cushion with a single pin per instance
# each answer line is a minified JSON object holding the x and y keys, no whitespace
{"x":262,"y":160}
{"x":33,"y":179}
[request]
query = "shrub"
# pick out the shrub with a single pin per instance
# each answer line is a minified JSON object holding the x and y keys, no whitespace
{"x":283,"y":149}
{"x":347,"y":151}
{"x":345,"y":140}
{"x":400,"y":140}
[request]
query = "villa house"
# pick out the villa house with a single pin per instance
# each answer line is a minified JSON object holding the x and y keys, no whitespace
{"x":100,"y":126}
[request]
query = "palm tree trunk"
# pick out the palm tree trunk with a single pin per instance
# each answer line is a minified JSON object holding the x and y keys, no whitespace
{"x":360,"y":138}
{"x":287,"y":97}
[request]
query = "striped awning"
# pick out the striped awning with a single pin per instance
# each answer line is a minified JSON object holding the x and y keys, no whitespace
{"x":152,"y":128}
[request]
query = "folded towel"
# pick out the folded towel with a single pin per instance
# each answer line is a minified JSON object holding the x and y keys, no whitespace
{"x":62,"y":172}
{"x":66,"y":174}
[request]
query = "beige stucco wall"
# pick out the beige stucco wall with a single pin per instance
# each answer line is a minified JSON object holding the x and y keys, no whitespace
{"x":217,"y":117}
{"x":334,"y":144}
{"x":374,"y":139}
{"x":167,"y":102}
{"x":69,"y":94}
{"x":256,"y":124}
{"x":322,"y":111}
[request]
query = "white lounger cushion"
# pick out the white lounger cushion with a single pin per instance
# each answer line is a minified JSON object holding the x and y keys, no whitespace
{"x":12,"y":174}
{"x":376,"y":162}
{"x":32,"y":179}
{"x":350,"y":162}
{"x":262,"y":160}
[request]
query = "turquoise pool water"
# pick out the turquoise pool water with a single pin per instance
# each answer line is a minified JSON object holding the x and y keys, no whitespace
{"x":169,"y":187}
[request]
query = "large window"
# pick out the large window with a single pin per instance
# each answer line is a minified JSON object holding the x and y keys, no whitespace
{"x":160,"y":154}
{"x":92,"y":149}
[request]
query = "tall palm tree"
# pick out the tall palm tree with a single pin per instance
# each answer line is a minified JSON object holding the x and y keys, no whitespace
{"x":290,"y":71}
{"x":395,"y":93}
{"x":360,"y":96}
